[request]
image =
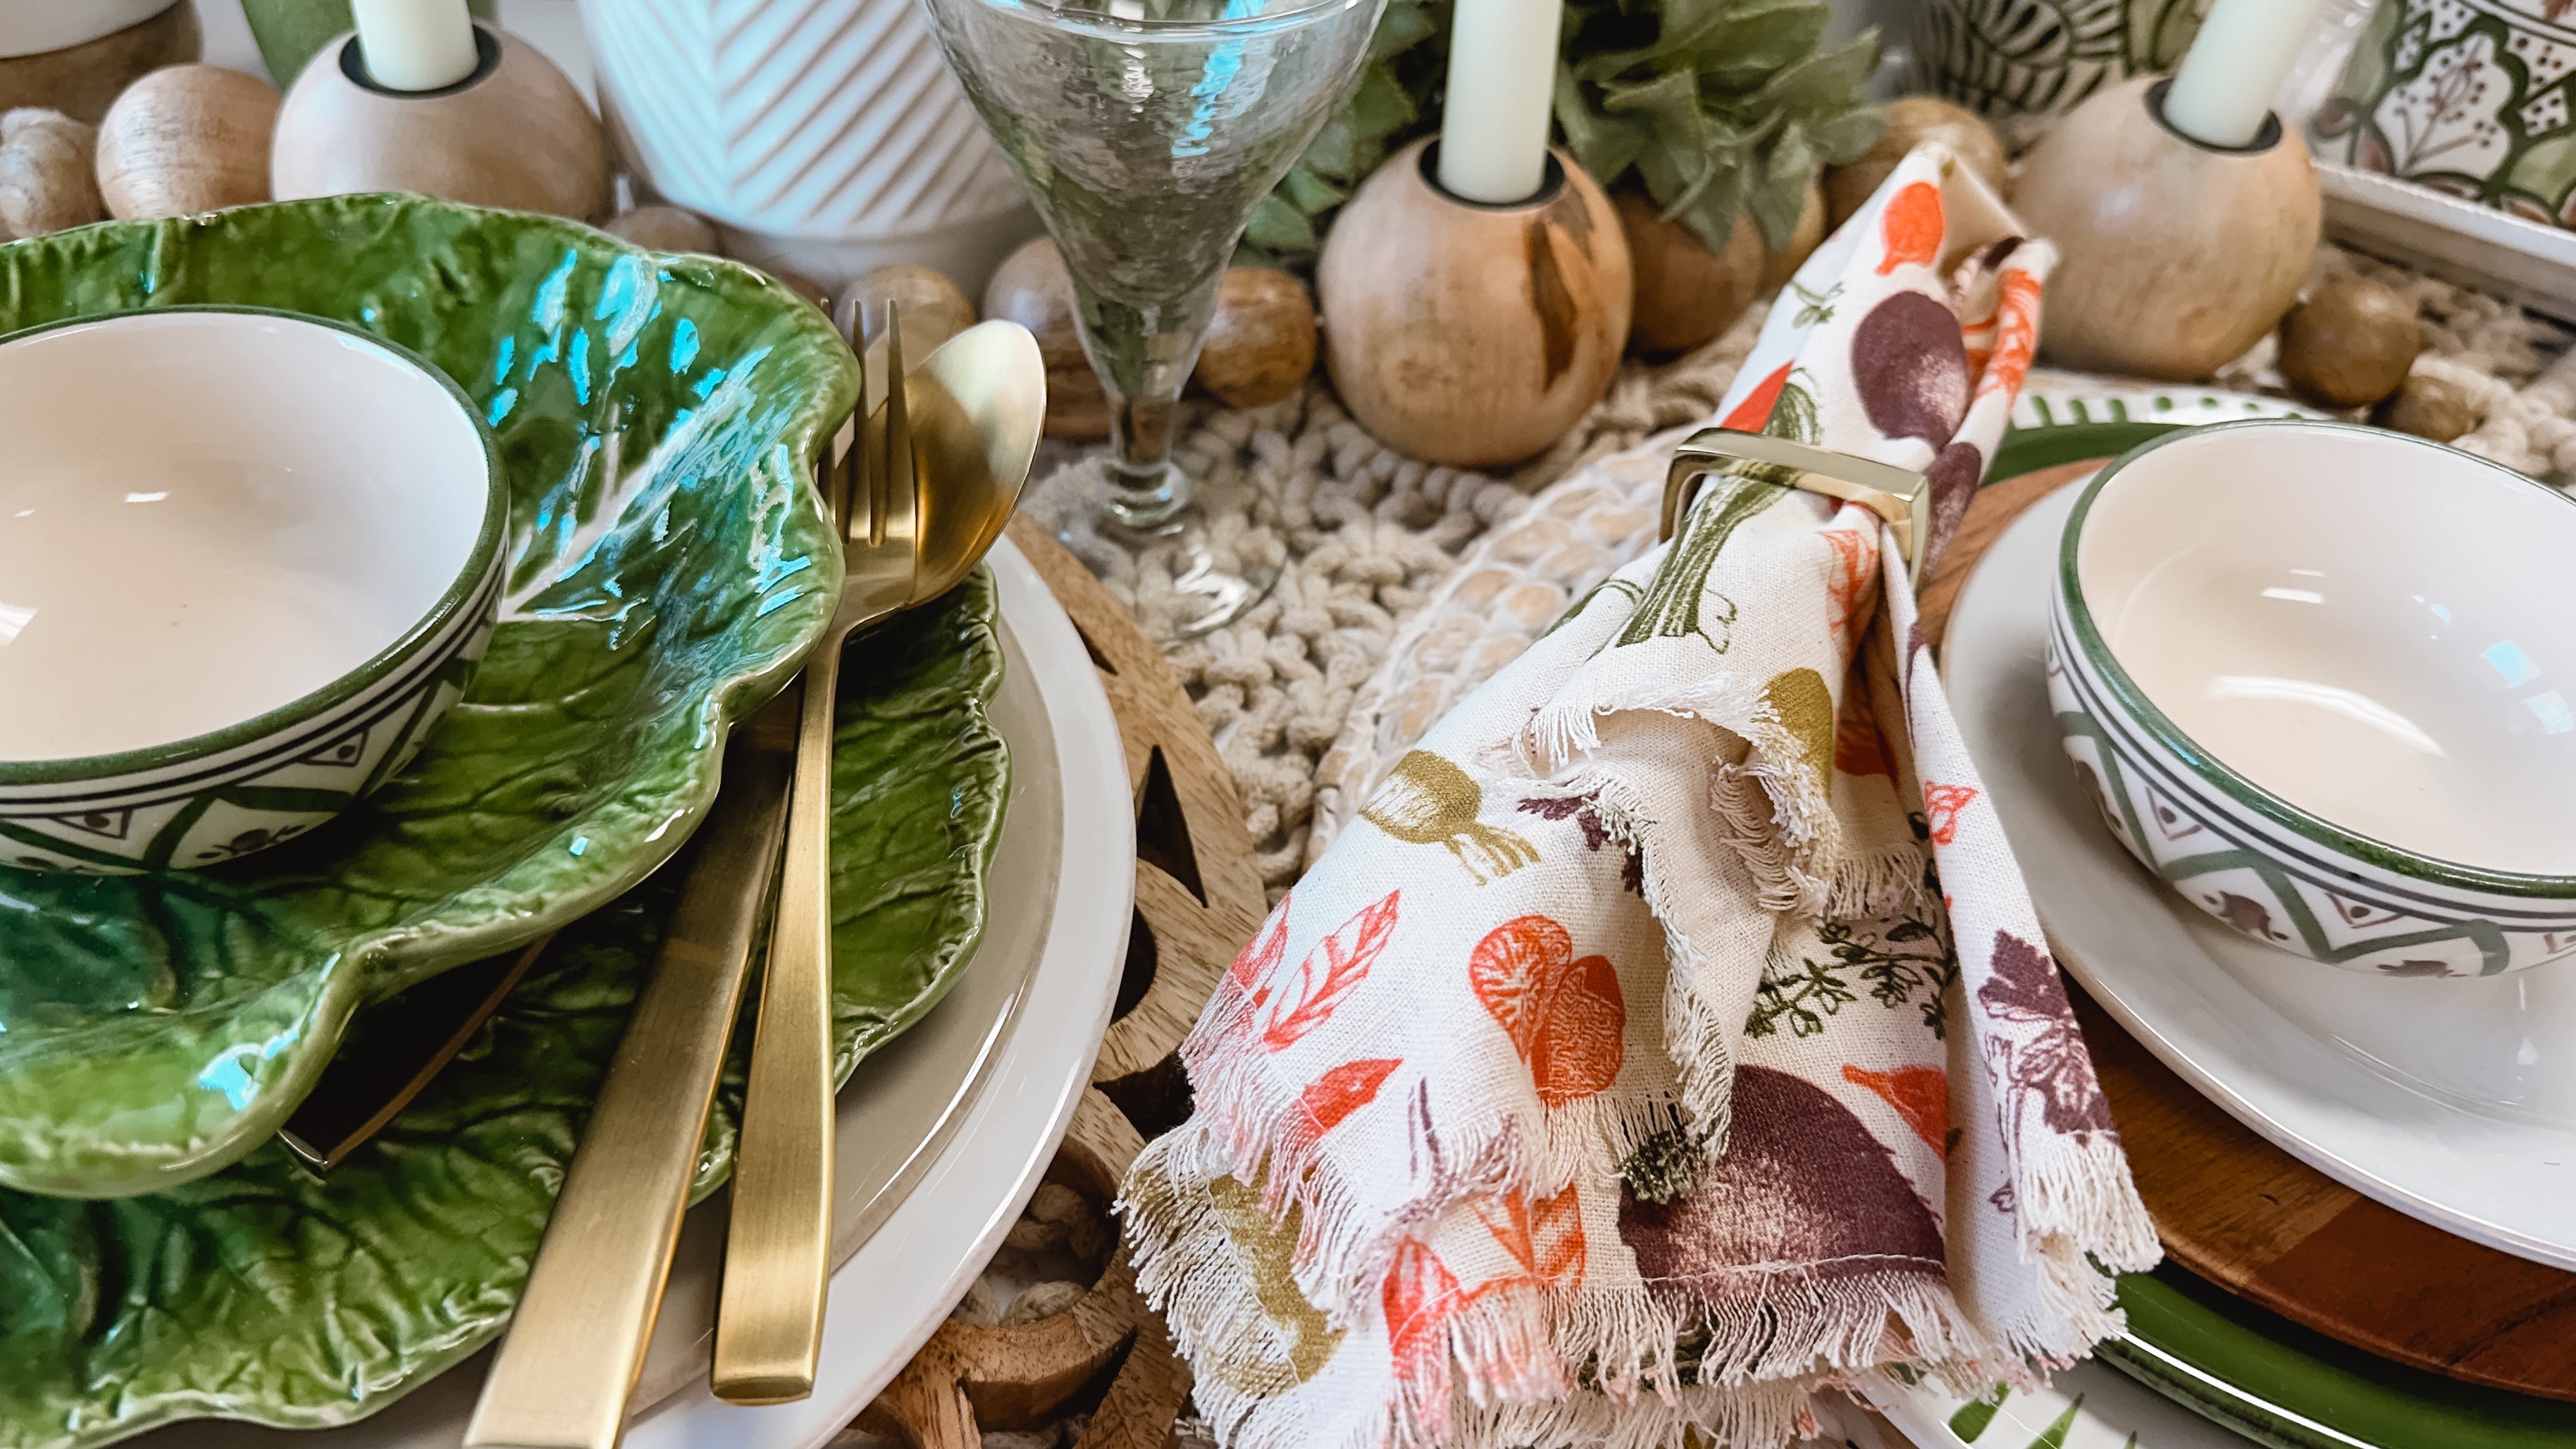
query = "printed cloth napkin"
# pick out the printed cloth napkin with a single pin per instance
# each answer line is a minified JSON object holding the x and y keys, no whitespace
{"x":1675,"y":1037}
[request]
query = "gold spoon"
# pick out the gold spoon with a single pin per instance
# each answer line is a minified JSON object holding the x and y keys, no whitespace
{"x":562,"y":1377}
{"x":953,"y":446}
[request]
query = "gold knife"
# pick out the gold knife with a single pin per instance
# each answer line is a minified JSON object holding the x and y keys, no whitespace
{"x":563,"y":1375}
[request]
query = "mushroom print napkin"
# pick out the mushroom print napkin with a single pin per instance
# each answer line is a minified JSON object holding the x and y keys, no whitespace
{"x":1674,"y":1038}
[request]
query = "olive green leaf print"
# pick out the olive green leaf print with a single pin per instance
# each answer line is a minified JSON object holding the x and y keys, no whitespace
{"x":1909,"y":963}
{"x":1677,"y":603}
{"x":1816,"y":308}
{"x":1429,"y":801}
{"x":1793,"y":414}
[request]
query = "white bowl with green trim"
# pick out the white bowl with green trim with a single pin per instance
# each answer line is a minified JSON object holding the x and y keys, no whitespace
{"x":247,"y":561}
{"x":2321,"y":679}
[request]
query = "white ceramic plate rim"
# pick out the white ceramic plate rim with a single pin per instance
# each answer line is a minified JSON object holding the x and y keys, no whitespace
{"x":893,"y":1292}
{"x":2471,"y":1168}
{"x":896,"y":1290}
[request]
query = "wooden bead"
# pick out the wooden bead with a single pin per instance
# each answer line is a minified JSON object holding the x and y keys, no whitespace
{"x":1804,"y":238}
{"x":516,"y":135}
{"x":2428,"y":407}
{"x":802,"y":285}
{"x":1472,"y":335}
{"x":1261,"y":343}
{"x":932,"y":307}
{"x":48,"y":173}
{"x":83,"y":80}
{"x":1911,"y":121}
{"x":2173,"y":258}
{"x":666,"y":229}
{"x":189,"y":139}
{"x":2349,"y":344}
{"x":1685,"y":294}
{"x":1033,"y":289}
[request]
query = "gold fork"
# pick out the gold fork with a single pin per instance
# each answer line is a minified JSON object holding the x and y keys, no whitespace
{"x":769,"y":1316}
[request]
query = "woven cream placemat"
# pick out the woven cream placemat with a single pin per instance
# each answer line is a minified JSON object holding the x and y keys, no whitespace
{"x":1403,"y":586}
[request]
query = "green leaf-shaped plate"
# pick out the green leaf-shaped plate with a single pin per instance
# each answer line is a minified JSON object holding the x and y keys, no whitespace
{"x":265,"y":1294}
{"x":658,"y":417}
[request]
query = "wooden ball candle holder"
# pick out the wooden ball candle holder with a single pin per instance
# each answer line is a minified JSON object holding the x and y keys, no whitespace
{"x":1468,"y":334}
{"x":514,"y":134}
{"x":2174,"y":256}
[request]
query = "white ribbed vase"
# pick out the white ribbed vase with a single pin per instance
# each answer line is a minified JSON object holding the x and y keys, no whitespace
{"x":825,"y":136}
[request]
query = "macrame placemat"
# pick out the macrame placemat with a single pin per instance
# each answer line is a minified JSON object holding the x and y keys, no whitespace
{"x":1369,"y":540}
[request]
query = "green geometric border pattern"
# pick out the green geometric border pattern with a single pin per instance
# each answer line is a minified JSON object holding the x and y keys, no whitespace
{"x":2495,"y":954}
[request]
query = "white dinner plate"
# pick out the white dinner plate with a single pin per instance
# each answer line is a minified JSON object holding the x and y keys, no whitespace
{"x":943,"y":1134}
{"x":2450,"y":1100}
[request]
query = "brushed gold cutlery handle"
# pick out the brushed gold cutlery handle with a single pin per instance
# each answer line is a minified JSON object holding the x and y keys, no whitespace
{"x":769,"y":1314}
{"x":562,"y":1377}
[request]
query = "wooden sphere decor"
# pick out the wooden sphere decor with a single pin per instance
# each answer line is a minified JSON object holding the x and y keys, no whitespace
{"x":515,"y":134}
{"x":1473,"y":335}
{"x":666,"y":229}
{"x":48,"y":173}
{"x":1685,"y":294}
{"x":932,"y":307}
{"x":1911,"y":121}
{"x":1804,"y":238}
{"x":1034,"y":288}
{"x":186,"y":139}
{"x":83,"y":80}
{"x":2174,"y":257}
{"x":1260,"y":345}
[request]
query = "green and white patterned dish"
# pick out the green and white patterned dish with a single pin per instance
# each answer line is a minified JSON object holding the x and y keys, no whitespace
{"x":658,"y":418}
{"x":235,"y":623}
{"x":2385,"y":805}
{"x":265,"y":1294}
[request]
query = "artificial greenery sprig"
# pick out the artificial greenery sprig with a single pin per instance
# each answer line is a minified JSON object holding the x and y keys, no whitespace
{"x":1715,"y":107}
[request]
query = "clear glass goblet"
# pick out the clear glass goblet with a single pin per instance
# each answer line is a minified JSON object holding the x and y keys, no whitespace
{"x":1146,"y":131}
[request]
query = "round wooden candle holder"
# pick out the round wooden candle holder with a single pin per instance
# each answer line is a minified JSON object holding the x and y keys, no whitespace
{"x":1467,"y":334}
{"x":2174,"y":257}
{"x":515,"y":134}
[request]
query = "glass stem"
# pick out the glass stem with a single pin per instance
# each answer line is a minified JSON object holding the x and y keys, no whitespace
{"x":1144,"y":490}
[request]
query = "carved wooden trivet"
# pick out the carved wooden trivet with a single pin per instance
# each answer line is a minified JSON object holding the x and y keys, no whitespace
{"x":1198,"y":899}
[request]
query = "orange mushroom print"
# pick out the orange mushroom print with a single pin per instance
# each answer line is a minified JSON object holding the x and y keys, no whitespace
{"x":1910,"y":229}
{"x":1565,"y":1017}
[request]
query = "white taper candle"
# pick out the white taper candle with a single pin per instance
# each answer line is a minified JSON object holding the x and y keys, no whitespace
{"x":2224,"y":87}
{"x":1502,"y":82}
{"x":415,"y":45}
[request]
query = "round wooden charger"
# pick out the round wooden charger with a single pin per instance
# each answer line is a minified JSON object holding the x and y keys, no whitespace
{"x":2243,"y":1213}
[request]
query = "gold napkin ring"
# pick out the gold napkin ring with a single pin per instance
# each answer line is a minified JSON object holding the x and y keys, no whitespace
{"x":1899,"y":495}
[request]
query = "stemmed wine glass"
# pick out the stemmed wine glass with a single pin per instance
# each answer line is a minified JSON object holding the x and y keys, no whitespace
{"x":1146,"y":131}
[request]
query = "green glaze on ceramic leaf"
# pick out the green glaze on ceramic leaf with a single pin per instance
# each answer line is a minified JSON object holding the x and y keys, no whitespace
{"x":265,"y":1294}
{"x":1972,"y":1420}
{"x":658,"y":418}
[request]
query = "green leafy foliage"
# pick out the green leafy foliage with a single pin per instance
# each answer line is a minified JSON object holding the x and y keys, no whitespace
{"x":1715,"y":107}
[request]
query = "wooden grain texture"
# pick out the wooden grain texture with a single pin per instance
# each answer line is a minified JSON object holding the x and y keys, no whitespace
{"x":1472,"y":335}
{"x":82,"y":81}
{"x":2173,"y":258}
{"x":519,"y":137}
{"x":2243,"y":1213}
{"x":1198,"y":899}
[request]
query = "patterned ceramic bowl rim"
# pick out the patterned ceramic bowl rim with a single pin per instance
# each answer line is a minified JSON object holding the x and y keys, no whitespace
{"x":460,"y":591}
{"x":2209,"y":767}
